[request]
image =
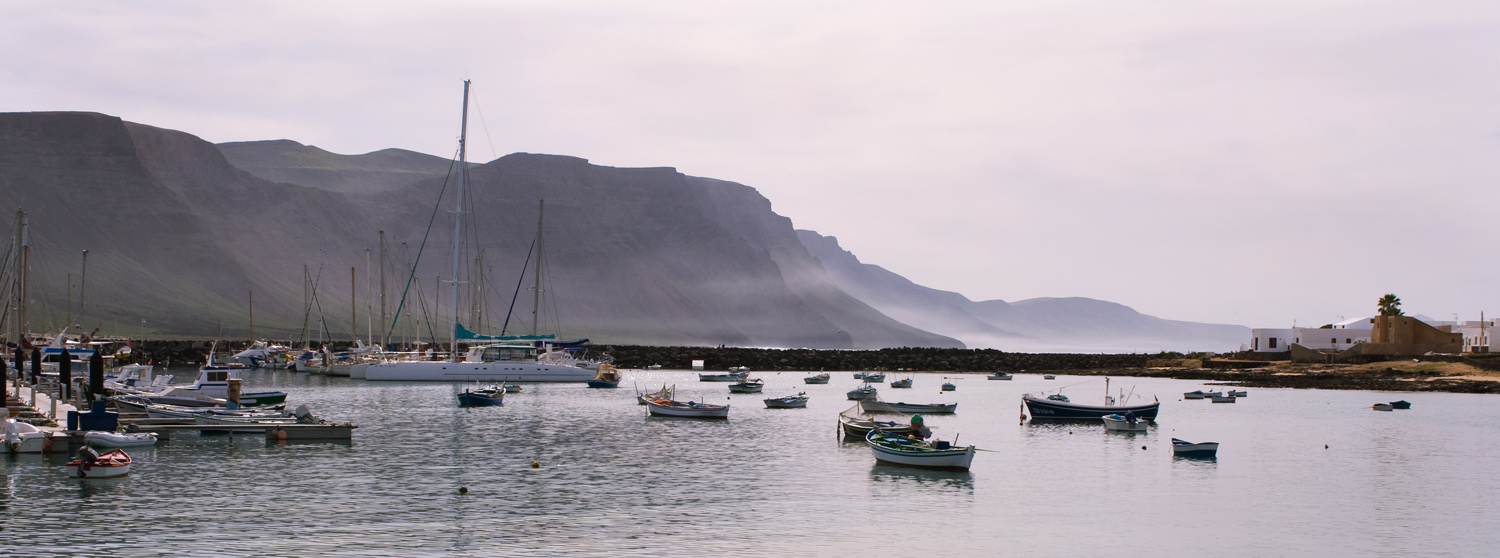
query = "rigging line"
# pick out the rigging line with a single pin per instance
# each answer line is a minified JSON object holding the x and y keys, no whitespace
{"x":433,"y":219}
{"x":474,"y":93}
{"x":524,"y":265}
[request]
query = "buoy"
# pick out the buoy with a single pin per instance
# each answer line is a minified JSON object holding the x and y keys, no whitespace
{"x":280,"y":434}
{"x":1143,"y":448}
{"x":463,"y":490}
{"x":1325,"y":446}
{"x":536,"y":465}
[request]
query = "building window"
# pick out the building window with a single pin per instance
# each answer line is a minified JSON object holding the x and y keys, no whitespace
{"x":1335,"y":340}
{"x":1348,"y":340}
{"x":1273,"y":343}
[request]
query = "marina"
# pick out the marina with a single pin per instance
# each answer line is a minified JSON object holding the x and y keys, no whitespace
{"x":342,"y":496}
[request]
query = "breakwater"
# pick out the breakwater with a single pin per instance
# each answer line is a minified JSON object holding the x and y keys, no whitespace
{"x":906,"y":358}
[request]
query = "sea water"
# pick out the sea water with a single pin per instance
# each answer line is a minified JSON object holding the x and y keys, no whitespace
{"x":612,"y":481}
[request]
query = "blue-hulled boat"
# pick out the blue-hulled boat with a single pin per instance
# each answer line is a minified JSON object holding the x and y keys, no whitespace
{"x":482,"y":397}
{"x":606,"y":377}
{"x":1183,"y":448}
{"x":1403,"y":404}
{"x":1058,"y":407}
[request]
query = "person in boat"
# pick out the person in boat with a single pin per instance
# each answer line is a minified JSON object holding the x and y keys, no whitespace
{"x":1130,"y":417}
{"x":919,"y":430}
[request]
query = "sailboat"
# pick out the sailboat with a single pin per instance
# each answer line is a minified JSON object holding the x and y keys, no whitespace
{"x":490,"y":358}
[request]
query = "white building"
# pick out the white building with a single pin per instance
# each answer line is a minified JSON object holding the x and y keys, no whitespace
{"x":1338,"y":337}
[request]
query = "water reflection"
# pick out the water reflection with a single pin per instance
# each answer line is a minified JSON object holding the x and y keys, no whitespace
{"x":961,"y":481}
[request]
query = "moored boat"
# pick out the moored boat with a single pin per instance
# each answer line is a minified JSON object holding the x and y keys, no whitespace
{"x":875,"y":406}
{"x":21,"y":437}
{"x":1196,"y":394}
{"x":1183,"y":448}
{"x":1383,"y":407}
{"x":856,"y":427}
{"x":482,"y":397}
{"x":1049,"y":377}
{"x":689,"y":409}
{"x":788,"y":402}
{"x":896,"y":449}
{"x":730,"y":377}
{"x":1119,"y":423}
{"x":1059,"y":407}
{"x":874,"y":377}
{"x":606,"y":377}
{"x":1238,"y":393}
{"x":664,"y":393}
{"x":1223,"y":398}
{"x":747,"y":386}
{"x":1401,"y":404}
{"x":949,"y":386}
{"x":100,"y":439}
{"x":863,"y":393}
{"x":999,"y":376}
{"x":902,"y":383}
{"x":93,"y":465}
{"x":818,"y":379}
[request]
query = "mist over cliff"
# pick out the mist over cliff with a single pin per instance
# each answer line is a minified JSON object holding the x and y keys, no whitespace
{"x":180,"y":232}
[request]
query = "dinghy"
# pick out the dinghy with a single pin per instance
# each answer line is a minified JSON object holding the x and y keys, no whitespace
{"x":788,"y":402}
{"x":862,"y":394}
{"x":999,"y":376}
{"x":890,"y":448}
{"x":690,"y":409}
{"x":949,"y":386}
{"x":819,"y":379}
{"x":100,"y":439}
{"x":747,"y":386}
{"x":1401,"y":404}
{"x":1383,"y":407}
{"x":1183,"y":448}
{"x":1119,"y":423}
{"x":1198,"y":394}
{"x":93,"y":465}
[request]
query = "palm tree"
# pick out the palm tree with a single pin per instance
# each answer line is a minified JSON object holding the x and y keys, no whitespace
{"x":1390,"y":305}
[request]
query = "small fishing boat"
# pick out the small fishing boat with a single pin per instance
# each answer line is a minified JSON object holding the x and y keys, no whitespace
{"x":100,"y":439}
{"x":663,"y":393}
{"x":1058,"y":407}
{"x":1223,"y":398}
{"x":1119,"y":423}
{"x":856,"y":427}
{"x":937,"y":454}
{"x":1209,"y":394}
{"x":739,"y":369}
{"x":875,"y":406}
{"x":1197,"y":394}
{"x":1383,"y":407}
{"x":1401,"y":404}
{"x":93,"y":465}
{"x":1049,"y":377}
{"x":999,"y":376}
{"x":949,"y":386}
{"x":747,"y":386}
{"x":1238,"y":393}
{"x":606,"y":377}
{"x":863,"y":393}
{"x":788,"y":402}
{"x":1183,"y":448}
{"x":690,"y":409}
{"x":859,"y":375}
{"x":819,"y":379}
{"x":730,"y":377}
{"x":874,"y":377}
{"x":903,"y":383}
{"x":482,"y":397}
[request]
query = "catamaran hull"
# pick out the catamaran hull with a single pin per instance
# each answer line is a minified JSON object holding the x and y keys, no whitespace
{"x":1046,"y":409}
{"x":433,"y":371}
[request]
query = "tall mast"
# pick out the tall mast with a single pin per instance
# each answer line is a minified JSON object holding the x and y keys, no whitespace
{"x":458,"y":219}
{"x":385,"y":319}
{"x":353,"y":309}
{"x":536,"y":294}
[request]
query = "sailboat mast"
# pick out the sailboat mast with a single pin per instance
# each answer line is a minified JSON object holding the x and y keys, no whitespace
{"x":385,"y":318}
{"x":536,"y":291}
{"x":458,"y":219}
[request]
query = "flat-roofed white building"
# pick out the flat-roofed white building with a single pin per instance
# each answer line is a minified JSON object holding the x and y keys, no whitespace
{"x":1338,"y":336}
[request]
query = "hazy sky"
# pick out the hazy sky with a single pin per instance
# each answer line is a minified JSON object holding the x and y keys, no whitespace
{"x":1252,"y":162}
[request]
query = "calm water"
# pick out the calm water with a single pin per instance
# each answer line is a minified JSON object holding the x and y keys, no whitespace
{"x":614,"y":482}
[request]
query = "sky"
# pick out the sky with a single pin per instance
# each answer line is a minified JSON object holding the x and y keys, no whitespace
{"x":1254,"y":162}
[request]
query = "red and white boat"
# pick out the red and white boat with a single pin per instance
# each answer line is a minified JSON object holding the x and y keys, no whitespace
{"x":94,"y":465}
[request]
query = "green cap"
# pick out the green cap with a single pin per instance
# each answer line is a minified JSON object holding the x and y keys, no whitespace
{"x":916,"y":418}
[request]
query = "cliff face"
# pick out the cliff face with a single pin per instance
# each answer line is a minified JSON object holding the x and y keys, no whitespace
{"x":179,"y":236}
{"x":1036,"y":325}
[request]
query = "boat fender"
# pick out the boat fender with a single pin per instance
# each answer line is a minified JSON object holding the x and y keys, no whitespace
{"x":280,"y":434}
{"x":46,"y":444}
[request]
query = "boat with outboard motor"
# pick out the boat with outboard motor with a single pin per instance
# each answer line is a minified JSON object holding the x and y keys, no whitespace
{"x":1059,"y":407}
{"x":901,"y":450}
{"x":1123,"y":423}
{"x":101,"y":439}
{"x":94,"y":465}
